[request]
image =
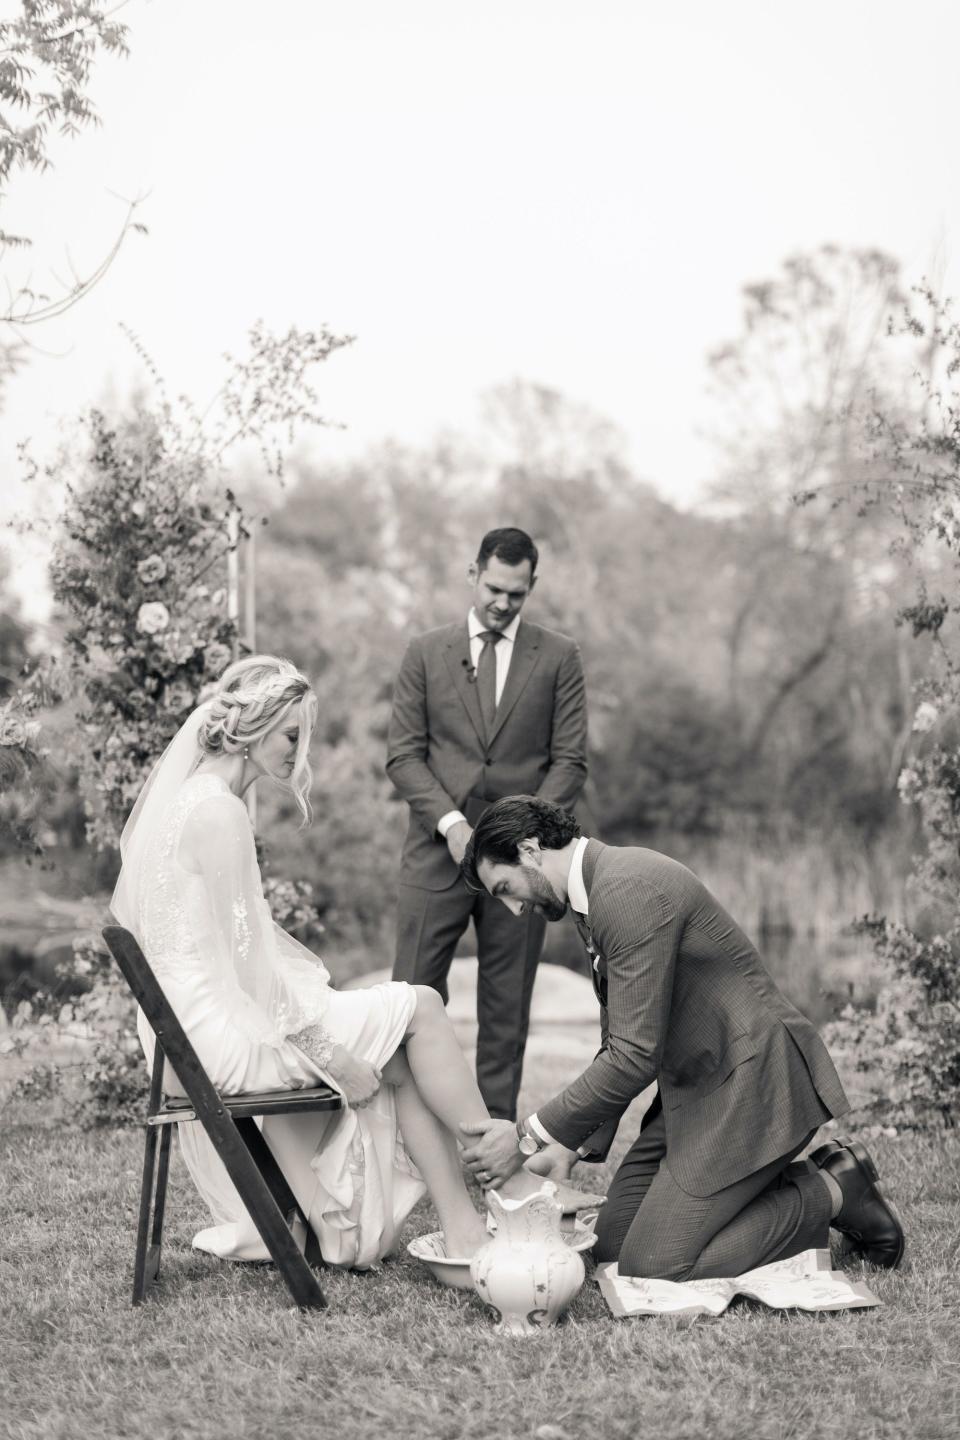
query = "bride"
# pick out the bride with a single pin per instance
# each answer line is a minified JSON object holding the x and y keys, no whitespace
{"x":258,"y":1007}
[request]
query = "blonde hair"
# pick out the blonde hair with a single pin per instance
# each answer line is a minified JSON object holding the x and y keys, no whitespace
{"x":253,"y":698}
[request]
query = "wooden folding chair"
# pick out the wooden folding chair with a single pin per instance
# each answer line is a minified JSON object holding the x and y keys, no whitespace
{"x":229,"y":1122}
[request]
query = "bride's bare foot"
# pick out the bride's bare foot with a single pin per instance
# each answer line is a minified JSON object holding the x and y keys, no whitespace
{"x":522,"y":1183}
{"x":461,"y":1242}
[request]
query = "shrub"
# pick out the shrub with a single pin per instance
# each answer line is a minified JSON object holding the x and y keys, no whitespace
{"x":910,"y":1044}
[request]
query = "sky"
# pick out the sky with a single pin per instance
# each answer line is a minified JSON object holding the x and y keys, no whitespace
{"x":570,"y":193}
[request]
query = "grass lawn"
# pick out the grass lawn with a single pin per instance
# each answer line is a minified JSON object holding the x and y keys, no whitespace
{"x":217,"y":1352}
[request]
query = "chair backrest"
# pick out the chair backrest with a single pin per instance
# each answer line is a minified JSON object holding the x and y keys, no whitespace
{"x":164,"y":1023}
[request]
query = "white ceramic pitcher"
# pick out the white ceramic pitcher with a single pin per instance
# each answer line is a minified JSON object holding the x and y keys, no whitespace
{"x":527,"y":1272}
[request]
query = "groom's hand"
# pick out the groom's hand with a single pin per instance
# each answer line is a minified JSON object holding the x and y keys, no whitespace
{"x":553,"y":1162}
{"x":457,"y":837}
{"x":491,"y":1152}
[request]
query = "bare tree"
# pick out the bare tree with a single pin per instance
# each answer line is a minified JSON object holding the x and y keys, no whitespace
{"x":793,"y":387}
{"x":793,"y":392}
{"x":47,"y":57}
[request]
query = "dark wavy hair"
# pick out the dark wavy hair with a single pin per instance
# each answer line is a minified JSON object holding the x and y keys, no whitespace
{"x":510,"y":545}
{"x":507,"y":822}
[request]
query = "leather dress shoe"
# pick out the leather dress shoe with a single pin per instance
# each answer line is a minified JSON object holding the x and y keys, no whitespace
{"x":866,"y":1217}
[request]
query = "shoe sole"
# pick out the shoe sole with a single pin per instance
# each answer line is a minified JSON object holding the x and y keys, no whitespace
{"x":864,"y":1160}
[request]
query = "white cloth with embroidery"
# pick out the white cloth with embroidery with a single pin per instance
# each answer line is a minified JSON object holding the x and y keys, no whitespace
{"x":241,"y":988}
{"x":804,"y":1282}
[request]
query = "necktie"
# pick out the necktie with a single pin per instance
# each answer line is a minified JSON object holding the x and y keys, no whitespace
{"x":487,"y":677}
{"x":597,"y":975}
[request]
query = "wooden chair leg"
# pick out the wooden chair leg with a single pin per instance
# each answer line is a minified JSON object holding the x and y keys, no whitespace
{"x":143,"y":1223}
{"x":267,"y":1191}
{"x":159,"y":1204}
{"x":146,"y":1264}
{"x":252,"y":1137}
{"x":312,"y":1254}
{"x":287,"y":1203}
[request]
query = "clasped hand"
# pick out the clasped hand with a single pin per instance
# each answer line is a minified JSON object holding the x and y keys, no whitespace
{"x":457,"y":837}
{"x":358,"y":1080}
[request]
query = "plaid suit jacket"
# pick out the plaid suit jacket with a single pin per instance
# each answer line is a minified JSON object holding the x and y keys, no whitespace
{"x":686,"y":1001}
{"x":440,"y":757}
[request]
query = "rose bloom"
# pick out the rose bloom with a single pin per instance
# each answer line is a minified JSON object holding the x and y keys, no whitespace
{"x":926,"y":717}
{"x":908,"y":782}
{"x":178,"y":698}
{"x":12,"y":731}
{"x":216,"y":658}
{"x":152,"y":569}
{"x":152,"y":617}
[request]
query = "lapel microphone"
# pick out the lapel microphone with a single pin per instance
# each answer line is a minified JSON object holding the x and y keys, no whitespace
{"x":471,"y":672}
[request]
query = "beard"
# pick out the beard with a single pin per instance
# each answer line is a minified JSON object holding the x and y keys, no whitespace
{"x":543,"y":896}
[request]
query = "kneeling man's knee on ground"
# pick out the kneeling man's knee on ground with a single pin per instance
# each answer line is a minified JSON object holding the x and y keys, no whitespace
{"x":654,"y":1265}
{"x":611,"y":1232}
{"x":650,"y":1256}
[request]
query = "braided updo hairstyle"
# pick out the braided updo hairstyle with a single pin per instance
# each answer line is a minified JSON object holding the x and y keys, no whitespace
{"x":253,"y":697}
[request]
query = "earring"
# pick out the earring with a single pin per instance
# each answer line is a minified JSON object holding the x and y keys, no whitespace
{"x":246,"y":752}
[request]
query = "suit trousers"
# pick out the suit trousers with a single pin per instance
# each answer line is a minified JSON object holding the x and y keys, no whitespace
{"x":430,"y":923}
{"x":654,"y":1229}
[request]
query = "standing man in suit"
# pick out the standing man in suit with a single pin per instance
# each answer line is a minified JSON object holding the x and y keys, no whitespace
{"x":744,"y":1081}
{"x":482,"y":708}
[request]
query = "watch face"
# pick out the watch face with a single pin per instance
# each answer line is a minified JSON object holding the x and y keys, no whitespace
{"x":528,"y":1145}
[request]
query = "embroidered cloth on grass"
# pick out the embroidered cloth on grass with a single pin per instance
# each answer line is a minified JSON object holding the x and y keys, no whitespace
{"x":804,"y":1282}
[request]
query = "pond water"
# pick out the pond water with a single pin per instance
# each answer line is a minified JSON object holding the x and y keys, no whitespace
{"x":820,"y":978}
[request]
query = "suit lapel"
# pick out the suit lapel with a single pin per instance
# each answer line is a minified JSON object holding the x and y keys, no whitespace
{"x":590,"y":857}
{"x":457,"y":656}
{"x":526,"y":653}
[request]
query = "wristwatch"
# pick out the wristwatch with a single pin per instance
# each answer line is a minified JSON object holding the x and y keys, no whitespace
{"x":528,"y":1142}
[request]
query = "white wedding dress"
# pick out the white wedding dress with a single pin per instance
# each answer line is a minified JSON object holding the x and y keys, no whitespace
{"x":241,"y":988}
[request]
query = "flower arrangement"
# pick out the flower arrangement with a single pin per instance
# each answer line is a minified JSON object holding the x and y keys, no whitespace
{"x":140,"y":570}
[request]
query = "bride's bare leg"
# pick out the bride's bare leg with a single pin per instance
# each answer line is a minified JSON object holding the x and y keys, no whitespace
{"x":439,"y":1067}
{"x":447,"y":1085}
{"x":433,"y":1150}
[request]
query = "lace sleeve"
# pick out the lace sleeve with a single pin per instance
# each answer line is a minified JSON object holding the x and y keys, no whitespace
{"x":307,"y":984}
{"x":315,"y":1042}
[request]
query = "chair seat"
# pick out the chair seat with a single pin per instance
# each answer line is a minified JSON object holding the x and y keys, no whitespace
{"x":261,"y":1102}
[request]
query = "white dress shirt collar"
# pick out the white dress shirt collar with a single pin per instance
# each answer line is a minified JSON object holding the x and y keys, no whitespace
{"x":577,"y":896}
{"x":576,"y":890}
{"x":475,"y":626}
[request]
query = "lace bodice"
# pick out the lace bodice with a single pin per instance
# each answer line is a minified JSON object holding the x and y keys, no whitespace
{"x":214,"y":926}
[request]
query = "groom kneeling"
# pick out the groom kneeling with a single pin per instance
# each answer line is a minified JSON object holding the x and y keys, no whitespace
{"x":743,"y":1080}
